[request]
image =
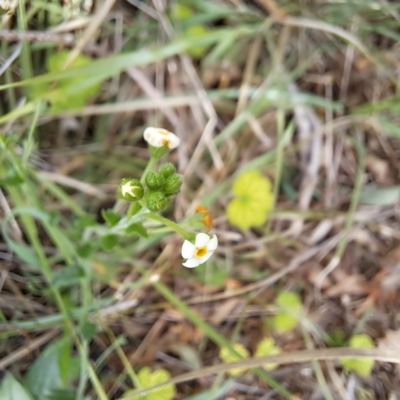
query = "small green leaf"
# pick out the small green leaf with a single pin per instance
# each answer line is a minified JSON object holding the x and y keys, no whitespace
{"x":111,"y":217}
{"x":289,"y":301}
{"x":85,"y":221}
{"x":138,"y":229}
{"x":380,"y":196}
{"x":289,"y":306}
{"x":149,"y":379}
{"x":67,"y":277}
{"x":11,"y":389}
{"x":254,"y":200}
{"x":267,"y":347}
{"x":362,"y":366}
{"x":227,"y":357}
{"x":44,"y":374}
{"x":85,"y":250}
{"x":108,"y":242}
{"x":72,"y":93}
{"x":284,"y":322}
{"x":196,"y":31}
{"x":88,"y":330}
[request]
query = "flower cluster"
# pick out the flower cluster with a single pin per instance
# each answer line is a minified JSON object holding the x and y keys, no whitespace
{"x":162,"y":186}
{"x":156,"y":190}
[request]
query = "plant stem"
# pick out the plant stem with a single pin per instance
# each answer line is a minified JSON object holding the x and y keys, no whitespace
{"x":183,"y":232}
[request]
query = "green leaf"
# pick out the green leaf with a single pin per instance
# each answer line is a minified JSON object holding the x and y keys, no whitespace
{"x":88,"y":330}
{"x":111,"y":217}
{"x":85,"y":250}
{"x":289,"y":306}
{"x":194,"y":31}
{"x":11,"y":389}
{"x":138,"y":229}
{"x":85,"y":221}
{"x":361,"y":366}
{"x":254,"y":200}
{"x":108,"y":242}
{"x":289,"y":301}
{"x":67,"y":277}
{"x":386,"y":196}
{"x":284,"y":322}
{"x":267,"y":347}
{"x":73,"y":93}
{"x":227,"y":357}
{"x":149,"y":379}
{"x":44,"y":375}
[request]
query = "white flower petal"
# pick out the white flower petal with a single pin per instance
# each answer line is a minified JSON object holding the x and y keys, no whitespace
{"x":159,"y":137}
{"x":191,"y":263}
{"x":174,"y":141}
{"x":202,"y":240}
{"x":206,"y":257}
{"x":213,"y":243}
{"x":188,"y":249}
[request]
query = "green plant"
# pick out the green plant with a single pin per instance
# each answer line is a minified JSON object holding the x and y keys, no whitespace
{"x":147,"y":379}
{"x":362,"y":367}
{"x":253,"y":200}
{"x":289,"y":311}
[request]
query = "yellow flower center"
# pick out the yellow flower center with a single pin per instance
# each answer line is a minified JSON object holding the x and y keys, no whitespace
{"x":200,"y":252}
{"x":165,"y":142}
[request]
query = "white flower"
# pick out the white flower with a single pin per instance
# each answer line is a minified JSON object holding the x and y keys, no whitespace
{"x":159,"y":137}
{"x":199,"y":252}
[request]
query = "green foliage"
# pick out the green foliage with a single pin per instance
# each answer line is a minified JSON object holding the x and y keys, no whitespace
{"x":289,"y":309}
{"x":108,"y":242}
{"x":74,"y":92}
{"x":112,"y":218}
{"x":44,"y":375}
{"x":183,"y":13}
{"x":148,"y":379}
{"x":67,"y":277}
{"x":253,"y":201}
{"x":136,"y":228}
{"x":227,"y":357}
{"x":267,"y":347}
{"x":11,"y":389}
{"x":361,"y":366}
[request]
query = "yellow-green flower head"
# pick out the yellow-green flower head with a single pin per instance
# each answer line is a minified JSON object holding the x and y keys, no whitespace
{"x":159,"y":137}
{"x":173,"y":184}
{"x":131,"y":189}
{"x":253,"y":200}
{"x":199,"y":252}
{"x":167,"y":170}
{"x":154,"y":180}
{"x":156,"y":201}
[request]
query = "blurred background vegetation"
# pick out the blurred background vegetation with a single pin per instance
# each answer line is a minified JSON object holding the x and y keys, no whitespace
{"x":288,"y":117}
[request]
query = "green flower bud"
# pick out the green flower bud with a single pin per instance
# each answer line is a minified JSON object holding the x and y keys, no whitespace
{"x":131,"y":189}
{"x":156,"y":201}
{"x":167,"y":170}
{"x":154,"y":180}
{"x":173,"y":184}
